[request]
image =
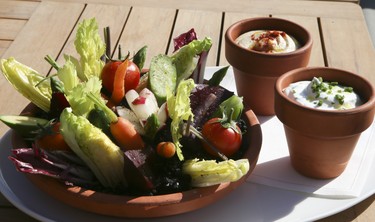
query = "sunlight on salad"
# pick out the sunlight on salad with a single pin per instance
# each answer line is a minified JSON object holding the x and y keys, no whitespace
{"x":115,"y":126}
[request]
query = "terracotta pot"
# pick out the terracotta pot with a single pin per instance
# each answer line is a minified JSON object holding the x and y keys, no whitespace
{"x":321,"y":142}
{"x":256,"y":72}
{"x":146,"y":206}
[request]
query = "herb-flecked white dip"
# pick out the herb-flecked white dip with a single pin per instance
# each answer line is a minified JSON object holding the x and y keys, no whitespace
{"x":268,"y":41}
{"x":323,"y":95}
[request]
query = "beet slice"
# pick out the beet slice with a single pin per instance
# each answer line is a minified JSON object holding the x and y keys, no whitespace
{"x":139,"y":169}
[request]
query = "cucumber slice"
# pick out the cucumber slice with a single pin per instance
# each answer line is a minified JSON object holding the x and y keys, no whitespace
{"x":162,"y":76}
{"x":25,"y":126}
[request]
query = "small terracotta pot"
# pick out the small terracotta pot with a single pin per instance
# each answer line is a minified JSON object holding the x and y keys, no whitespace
{"x":321,"y":142}
{"x":256,"y":72}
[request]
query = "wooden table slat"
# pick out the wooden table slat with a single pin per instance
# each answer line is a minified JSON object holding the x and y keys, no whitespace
{"x":9,"y":28}
{"x":104,"y":16}
{"x":148,"y":26}
{"x":42,"y":35}
{"x":17,"y":9}
{"x":322,"y":9}
{"x":205,"y":24}
{"x":4,"y":45}
{"x":349,"y":39}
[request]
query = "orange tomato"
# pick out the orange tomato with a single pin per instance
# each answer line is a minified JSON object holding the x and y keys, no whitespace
{"x":166,"y":149}
{"x":51,"y":138}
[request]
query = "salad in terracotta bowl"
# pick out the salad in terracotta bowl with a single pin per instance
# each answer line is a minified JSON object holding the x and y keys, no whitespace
{"x":111,"y":137}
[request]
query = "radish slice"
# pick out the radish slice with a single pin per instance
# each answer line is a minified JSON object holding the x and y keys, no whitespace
{"x":150,"y":95}
{"x":163,"y":114}
{"x":143,"y":106}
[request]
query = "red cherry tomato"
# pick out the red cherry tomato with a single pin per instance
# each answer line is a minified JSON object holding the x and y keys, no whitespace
{"x":131,"y":79}
{"x":52,"y":139}
{"x":226,"y":139}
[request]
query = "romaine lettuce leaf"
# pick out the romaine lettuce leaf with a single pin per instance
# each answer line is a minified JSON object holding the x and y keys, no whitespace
{"x":28,"y":82}
{"x":101,"y":155}
{"x":209,"y":172}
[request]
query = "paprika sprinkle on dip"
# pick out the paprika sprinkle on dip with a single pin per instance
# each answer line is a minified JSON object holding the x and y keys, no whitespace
{"x":268,"y":41}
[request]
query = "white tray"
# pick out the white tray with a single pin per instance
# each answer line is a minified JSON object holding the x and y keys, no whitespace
{"x":250,"y":202}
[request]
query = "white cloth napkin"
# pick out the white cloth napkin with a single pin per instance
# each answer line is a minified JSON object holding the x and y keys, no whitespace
{"x":274,"y":168}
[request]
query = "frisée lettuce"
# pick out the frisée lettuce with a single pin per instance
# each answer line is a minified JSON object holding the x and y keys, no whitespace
{"x":68,"y":75}
{"x":90,"y":47}
{"x":77,"y":97}
{"x":179,"y":110}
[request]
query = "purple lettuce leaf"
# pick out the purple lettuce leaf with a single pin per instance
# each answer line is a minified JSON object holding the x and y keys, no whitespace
{"x":62,"y":165}
{"x":184,"y":39}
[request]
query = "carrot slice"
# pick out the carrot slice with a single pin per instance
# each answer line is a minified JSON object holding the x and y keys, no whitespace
{"x":118,"y":92}
{"x":122,"y":130}
{"x":125,"y":134}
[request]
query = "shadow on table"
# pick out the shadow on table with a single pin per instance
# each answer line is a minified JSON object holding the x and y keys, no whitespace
{"x":368,"y":7}
{"x":367,"y":4}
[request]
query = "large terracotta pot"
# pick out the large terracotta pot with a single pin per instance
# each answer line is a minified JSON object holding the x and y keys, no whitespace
{"x":146,"y":206}
{"x":321,"y":142}
{"x":256,"y":72}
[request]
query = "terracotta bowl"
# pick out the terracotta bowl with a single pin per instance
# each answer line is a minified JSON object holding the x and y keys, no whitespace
{"x":146,"y":206}
{"x":321,"y":142}
{"x":256,"y":72}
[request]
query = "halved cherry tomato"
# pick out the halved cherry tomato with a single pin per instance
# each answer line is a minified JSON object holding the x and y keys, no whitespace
{"x":226,"y":138}
{"x":52,"y":139}
{"x":131,"y":78}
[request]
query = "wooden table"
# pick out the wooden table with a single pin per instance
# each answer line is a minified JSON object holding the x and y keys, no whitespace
{"x":29,"y":30}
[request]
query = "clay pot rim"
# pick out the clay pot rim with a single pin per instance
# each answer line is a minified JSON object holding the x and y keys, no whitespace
{"x":365,"y":106}
{"x":301,"y":50}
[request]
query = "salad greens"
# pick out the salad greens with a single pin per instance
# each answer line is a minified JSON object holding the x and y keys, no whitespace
{"x":78,"y":99}
{"x":102,"y":156}
{"x":209,"y":172}
{"x":27,"y":82}
{"x":179,"y":110}
{"x":91,"y":48}
{"x":186,"y":59}
{"x":231,"y":106}
{"x":169,"y":80}
{"x":68,"y":76}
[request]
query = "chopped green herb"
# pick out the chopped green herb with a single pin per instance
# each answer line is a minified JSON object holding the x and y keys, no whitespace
{"x":333,"y":83}
{"x":340,"y":98}
{"x":348,"y":89}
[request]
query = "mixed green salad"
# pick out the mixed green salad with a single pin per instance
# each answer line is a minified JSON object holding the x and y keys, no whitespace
{"x":114,"y":126}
